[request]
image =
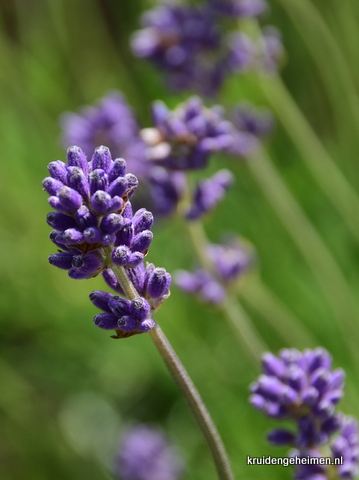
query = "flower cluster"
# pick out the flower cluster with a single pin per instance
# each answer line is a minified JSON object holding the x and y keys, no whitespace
{"x":229,"y":262}
{"x":97,"y":231}
{"x":185,"y":138}
{"x":191,"y":45}
{"x":302,"y":387}
{"x":145,"y":454}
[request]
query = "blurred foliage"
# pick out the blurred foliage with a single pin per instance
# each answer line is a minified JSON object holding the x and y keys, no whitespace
{"x":66,"y":387}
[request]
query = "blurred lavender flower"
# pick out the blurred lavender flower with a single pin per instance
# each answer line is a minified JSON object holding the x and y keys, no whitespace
{"x":188,"y":43}
{"x":303,"y":388}
{"x":344,"y":447}
{"x":229,"y":262}
{"x":112,"y":123}
{"x":96,"y":230}
{"x":300,"y":387}
{"x":185,"y":138}
{"x":209,"y":193}
{"x":145,"y":454}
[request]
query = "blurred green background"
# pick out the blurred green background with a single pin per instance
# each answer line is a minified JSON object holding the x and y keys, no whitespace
{"x":67,"y":389}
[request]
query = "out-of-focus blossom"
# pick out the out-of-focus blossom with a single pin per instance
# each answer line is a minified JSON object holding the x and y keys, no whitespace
{"x":146,"y":454}
{"x":302,"y":387}
{"x":188,"y":43}
{"x":186,"y":137}
{"x":230,"y":261}
{"x":110,"y":122}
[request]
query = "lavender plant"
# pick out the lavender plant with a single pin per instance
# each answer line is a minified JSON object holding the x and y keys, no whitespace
{"x":301,"y":388}
{"x":192,"y":46}
{"x":97,"y":232}
{"x":145,"y":454}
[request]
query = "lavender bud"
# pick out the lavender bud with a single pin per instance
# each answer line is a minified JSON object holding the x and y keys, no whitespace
{"x":142,"y":241}
{"x":106,"y":321}
{"x":158,"y":283}
{"x":76,"y":158}
{"x":85,"y":218}
{"x":77,"y":180}
{"x":135,"y":259}
{"x":127,"y":323}
{"x":121,"y":255}
{"x":92,"y":235}
{"x":146,"y":325}
{"x":101,"y":159}
{"x":58,"y":171}
{"x":98,"y":181}
{"x":70,"y":236}
{"x":125,"y":234}
{"x":140,"y":308}
{"x":142,"y":220}
{"x":111,"y":223}
{"x":101,"y":202}
{"x":118,"y":187}
{"x":118,"y":169}
{"x":119,"y":306}
{"x":61,"y":260}
{"x":51,"y":185}
{"x":100,"y":299}
{"x":86,"y":266}
{"x":60,"y":221}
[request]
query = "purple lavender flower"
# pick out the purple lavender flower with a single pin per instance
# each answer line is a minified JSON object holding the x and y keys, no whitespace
{"x":229,"y":262}
{"x":300,"y":387}
{"x":209,"y":193}
{"x":189,"y":45}
{"x":93,"y":211}
{"x":97,"y":231}
{"x":112,"y":123}
{"x":185,"y":138}
{"x":344,"y":447}
{"x":145,"y":454}
{"x":239,"y":8}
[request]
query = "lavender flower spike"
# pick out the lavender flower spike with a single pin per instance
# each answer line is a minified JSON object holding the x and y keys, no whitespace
{"x":190,"y":46}
{"x":302,"y":387}
{"x":145,"y":454}
{"x":185,"y":138}
{"x":97,"y":231}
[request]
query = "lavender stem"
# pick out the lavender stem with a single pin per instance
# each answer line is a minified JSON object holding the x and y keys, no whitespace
{"x":184,"y":382}
{"x":192,"y":397}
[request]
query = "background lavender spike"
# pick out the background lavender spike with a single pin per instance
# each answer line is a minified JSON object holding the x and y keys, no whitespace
{"x":110,"y":122}
{"x":146,"y":454}
{"x":302,"y":387}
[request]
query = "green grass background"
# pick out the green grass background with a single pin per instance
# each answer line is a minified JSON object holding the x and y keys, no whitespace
{"x":66,"y":388}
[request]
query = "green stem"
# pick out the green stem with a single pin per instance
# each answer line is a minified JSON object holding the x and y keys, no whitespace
{"x":331,"y":180}
{"x":323,"y":45}
{"x":308,"y":241}
{"x":183,"y":381}
{"x":195,"y":403}
{"x":232,"y":310}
